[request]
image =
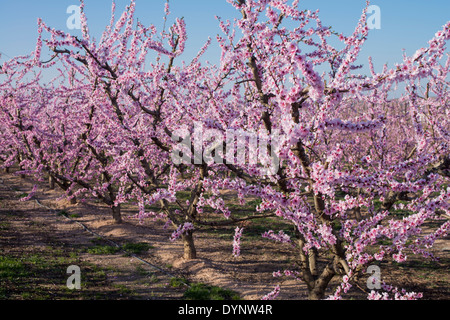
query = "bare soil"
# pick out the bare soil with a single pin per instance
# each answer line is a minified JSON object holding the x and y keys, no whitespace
{"x":26,"y":228}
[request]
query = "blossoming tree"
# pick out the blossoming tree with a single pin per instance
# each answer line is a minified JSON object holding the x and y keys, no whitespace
{"x":106,"y":126}
{"x":348,"y":151}
{"x":324,"y":148}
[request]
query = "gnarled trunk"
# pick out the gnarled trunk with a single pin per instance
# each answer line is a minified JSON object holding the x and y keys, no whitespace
{"x":321,"y":284}
{"x":189,"y":247}
{"x":73,"y":200}
{"x":317,"y":282}
{"x":51,"y":182}
{"x":117,"y":216}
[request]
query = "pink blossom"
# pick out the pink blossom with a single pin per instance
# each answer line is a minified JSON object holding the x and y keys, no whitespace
{"x":273,"y":294}
{"x":237,"y":242}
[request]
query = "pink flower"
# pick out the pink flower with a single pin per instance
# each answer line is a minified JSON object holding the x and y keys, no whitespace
{"x":237,"y":242}
{"x":273,"y":294}
{"x":181,"y":230}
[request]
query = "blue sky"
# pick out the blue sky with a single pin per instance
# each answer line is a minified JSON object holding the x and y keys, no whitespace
{"x":405,"y":24}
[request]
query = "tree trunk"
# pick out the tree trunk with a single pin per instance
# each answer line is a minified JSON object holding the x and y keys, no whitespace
{"x":117,"y":216}
{"x":6,"y":170}
{"x":51,"y":183}
{"x":316,"y":294}
{"x":312,"y":260}
{"x":189,"y":248}
{"x":20,"y":158}
{"x":357,"y":210}
{"x":73,"y":200}
{"x":321,"y":284}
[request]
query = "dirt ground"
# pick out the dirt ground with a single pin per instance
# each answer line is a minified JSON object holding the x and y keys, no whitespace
{"x":27,"y":228}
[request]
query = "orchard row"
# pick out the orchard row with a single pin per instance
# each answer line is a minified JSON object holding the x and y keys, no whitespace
{"x":348,"y":149}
